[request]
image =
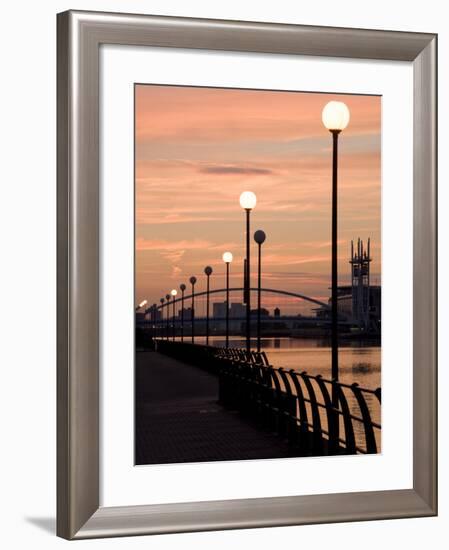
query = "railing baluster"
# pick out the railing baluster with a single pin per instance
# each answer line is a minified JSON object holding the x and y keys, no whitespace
{"x":378,"y":394}
{"x":304,"y":430}
{"x":289,"y":408}
{"x":370,"y":439}
{"x":347,"y":421}
{"x":317,"y":436}
{"x":332,"y":417}
{"x":275,"y":399}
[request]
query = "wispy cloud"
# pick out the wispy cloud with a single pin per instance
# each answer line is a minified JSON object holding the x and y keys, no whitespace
{"x":173,"y":256}
{"x":294,"y":259}
{"x":174,"y":246}
{"x":240,"y":170}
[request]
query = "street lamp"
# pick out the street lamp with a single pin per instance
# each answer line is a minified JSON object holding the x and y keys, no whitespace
{"x":335,"y":118}
{"x":208,"y":271}
{"x":227,"y":258}
{"x":248,"y":201}
{"x":174,"y":292}
{"x":259,"y":237}
{"x":192,"y":313}
{"x":142,"y":303}
{"x":167,"y":297}
{"x":162,"y":300}
{"x":182,"y":287}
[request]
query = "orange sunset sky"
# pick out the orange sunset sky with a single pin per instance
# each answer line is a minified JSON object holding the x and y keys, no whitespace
{"x":197,"y":149}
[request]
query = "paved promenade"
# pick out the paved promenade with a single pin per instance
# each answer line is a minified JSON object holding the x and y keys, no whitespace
{"x":178,"y":418}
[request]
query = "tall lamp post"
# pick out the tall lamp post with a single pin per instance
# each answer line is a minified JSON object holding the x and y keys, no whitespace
{"x":182,"y":287}
{"x":335,"y":118}
{"x":259,"y":237}
{"x":167,"y":297}
{"x":174,"y":292}
{"x":227,"y":258}
{"x":248,"y":202}
{"x":162,"y":300}
{"x":208,"y":271}
{"x":153,"y":317}
{"x":192,"y":312}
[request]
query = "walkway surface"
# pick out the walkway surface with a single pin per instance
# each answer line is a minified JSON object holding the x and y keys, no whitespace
{"x":178,"y":418}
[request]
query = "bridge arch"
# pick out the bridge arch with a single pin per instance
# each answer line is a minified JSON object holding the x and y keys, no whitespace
{"x":240,"y":289}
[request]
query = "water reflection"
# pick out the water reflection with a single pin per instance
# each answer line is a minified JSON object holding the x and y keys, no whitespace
{"x":358,"y":361}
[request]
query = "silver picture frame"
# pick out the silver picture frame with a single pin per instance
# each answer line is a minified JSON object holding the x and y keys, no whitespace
{"x":80,"y":35}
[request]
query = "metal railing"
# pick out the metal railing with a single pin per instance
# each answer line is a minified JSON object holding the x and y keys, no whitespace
{"x":295,"y":405}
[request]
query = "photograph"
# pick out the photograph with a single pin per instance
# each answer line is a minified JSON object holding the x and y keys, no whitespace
{"x":257,"y":274}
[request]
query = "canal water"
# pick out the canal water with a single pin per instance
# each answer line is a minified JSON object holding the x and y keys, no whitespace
{"x":358,"y":362}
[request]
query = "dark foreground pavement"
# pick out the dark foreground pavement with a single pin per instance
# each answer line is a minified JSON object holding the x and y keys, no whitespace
{"x":178,"y":418}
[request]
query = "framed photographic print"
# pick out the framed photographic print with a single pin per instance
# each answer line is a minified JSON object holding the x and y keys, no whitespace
{"x":246,"y":274}
{"x":255,"y":330}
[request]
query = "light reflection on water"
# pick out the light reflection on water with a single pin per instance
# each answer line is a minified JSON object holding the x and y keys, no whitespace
{"x":357,"y":362}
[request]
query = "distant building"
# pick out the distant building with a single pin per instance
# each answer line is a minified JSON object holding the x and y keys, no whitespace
{"x":187,"y":313}
{"x":366,"y":299}
{"x":277,"y":312}
{"x":344,"y":297}
{"x":263,"y":312}
{"x":359,"y":302}
{"x":155,"y":315}
{"x":235,"y":310}
{"x":219,"y":310}
{"x":368,"y":317}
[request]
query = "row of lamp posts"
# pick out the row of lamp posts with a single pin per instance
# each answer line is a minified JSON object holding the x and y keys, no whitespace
{"x":248,"y":201}
{"x":335,"y":117}
{"x":259,"y":237}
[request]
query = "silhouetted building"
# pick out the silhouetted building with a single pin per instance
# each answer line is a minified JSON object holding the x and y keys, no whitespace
{"x":237,"y":311}
{"x":219,"y":310}
{"x":155,"y":315}
{"x":263,"y":312}
{"x":359,"y":302}
{"x":277,"y":312}
{"x":187,"y":313}
{"x":360,"y":278}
